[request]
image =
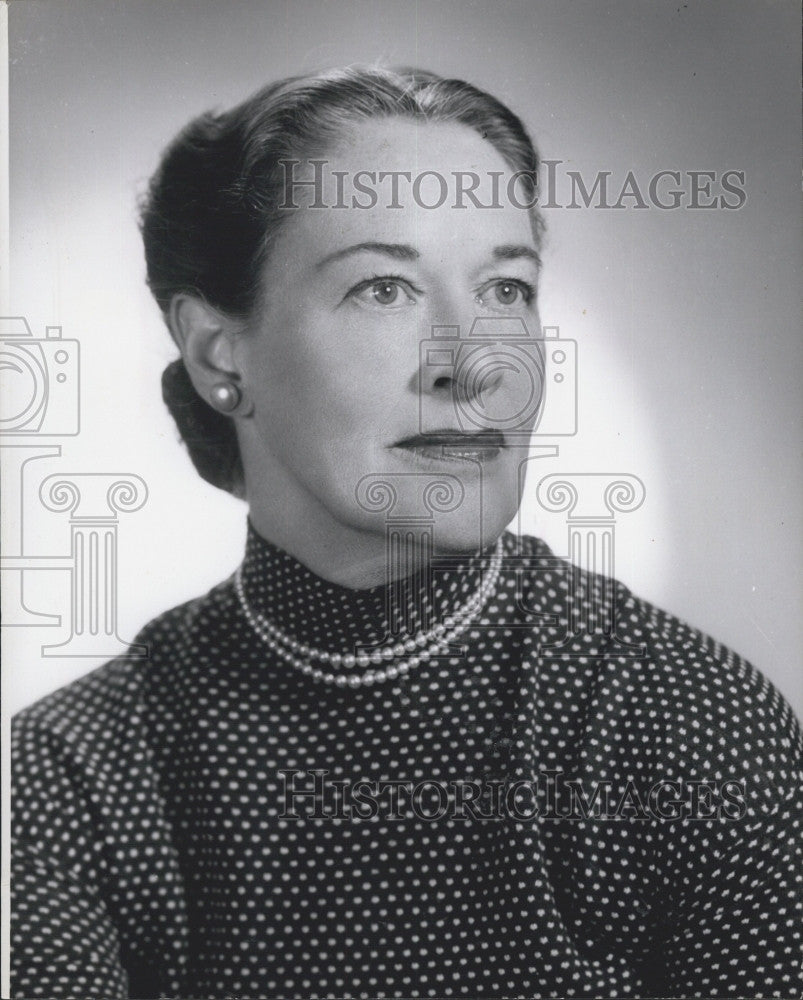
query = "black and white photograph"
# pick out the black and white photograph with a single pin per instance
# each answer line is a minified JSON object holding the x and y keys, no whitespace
{"x":401,"y":521}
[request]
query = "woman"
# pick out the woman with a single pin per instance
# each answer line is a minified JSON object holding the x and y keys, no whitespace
{"x":384,"y":759}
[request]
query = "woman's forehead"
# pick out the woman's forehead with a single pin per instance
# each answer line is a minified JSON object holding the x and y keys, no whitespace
{"x":414,"y":144}
{"x":412,"y":234}
{"x":398,"y":181}
{"x":397,"y":152}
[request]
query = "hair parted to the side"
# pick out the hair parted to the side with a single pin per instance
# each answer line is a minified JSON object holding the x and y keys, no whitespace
{"x":212,"y":210}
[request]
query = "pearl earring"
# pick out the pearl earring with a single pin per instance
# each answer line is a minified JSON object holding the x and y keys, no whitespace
{"x":225,"y":396}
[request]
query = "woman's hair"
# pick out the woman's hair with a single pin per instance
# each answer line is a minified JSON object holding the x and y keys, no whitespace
{"x":212,"y":210}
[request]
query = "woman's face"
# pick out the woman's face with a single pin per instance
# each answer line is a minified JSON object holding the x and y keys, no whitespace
{"x":353,"y":383}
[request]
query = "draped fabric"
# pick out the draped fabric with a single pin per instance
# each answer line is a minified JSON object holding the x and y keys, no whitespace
{"x":591,"y":799}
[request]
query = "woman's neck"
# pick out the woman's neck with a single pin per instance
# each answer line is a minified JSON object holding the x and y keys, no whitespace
{"x":348,"y":557}
{"x":323,"y":614}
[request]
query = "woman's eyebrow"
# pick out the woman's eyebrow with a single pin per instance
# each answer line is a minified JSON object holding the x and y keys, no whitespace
{"x":398,"y":251}
{"x":516,"y":251}
{"x":403,"y":251}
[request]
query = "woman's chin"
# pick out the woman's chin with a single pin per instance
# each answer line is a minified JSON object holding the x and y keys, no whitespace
{"x":474,"y":525}
{"x":443,"y":514}
{"x":462,"y":534}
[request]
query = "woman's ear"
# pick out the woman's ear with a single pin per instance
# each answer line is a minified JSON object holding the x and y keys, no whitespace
{"x":206,"y":338}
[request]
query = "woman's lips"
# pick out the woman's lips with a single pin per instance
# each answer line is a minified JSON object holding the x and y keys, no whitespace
{"x":456,"y":446}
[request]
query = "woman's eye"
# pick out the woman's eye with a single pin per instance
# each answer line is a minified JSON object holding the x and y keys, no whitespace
{"x":385,"y":292}
{"x":507,"y":293}
{"x":382,"y":292}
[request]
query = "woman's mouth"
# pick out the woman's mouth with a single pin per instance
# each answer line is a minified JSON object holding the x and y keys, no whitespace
{"x":455,"y":446}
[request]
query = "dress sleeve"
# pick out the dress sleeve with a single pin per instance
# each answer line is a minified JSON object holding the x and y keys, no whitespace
{"x":735,"y":864}
{"x":63,"y":943}
{"x":702,"y":883}
{"x":97,"y":903}
{"x":738,"y":929}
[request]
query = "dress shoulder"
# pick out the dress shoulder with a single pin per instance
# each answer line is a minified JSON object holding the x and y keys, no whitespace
{"x":648,"y":683}
{"x":113,"y":691}
{"x":718,"y":702}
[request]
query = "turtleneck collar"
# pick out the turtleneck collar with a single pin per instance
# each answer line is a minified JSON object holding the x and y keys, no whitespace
{"x":330,"y":616}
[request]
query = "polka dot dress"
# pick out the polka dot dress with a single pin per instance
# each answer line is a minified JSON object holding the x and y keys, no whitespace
{"x":591,"y":799}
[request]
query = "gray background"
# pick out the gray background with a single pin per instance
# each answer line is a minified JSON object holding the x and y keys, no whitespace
{"x":688,"y":321}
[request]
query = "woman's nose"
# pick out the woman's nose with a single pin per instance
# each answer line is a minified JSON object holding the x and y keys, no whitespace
{"x":443,"y":336}
{"x":452,"y":365}
{"x":488,"y":374}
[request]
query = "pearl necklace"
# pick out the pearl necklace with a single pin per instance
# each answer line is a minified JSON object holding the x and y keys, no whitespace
{"x":407,"y":655}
